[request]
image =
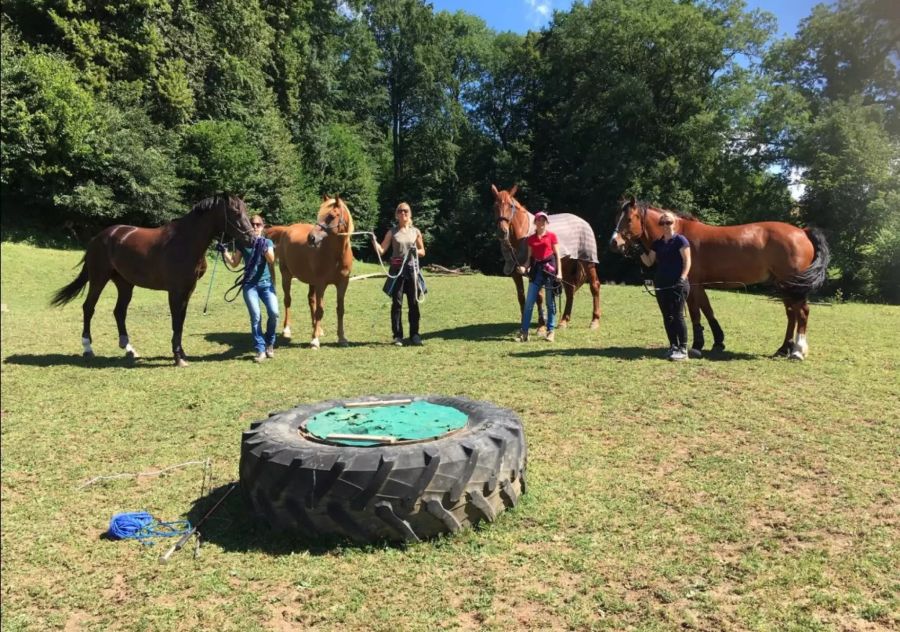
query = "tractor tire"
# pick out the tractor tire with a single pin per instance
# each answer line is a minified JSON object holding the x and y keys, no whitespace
{"x":408,"y":492}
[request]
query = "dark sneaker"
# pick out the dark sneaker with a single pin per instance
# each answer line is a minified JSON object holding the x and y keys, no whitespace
{"x":416,"y":340}
{"x":398,"y":342}
{"x":260,"y":357}
{"x":270,"y":352}
{"x":522,"y":336}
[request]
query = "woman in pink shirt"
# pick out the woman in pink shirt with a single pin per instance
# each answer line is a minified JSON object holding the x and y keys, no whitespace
{"x":544,"y":270}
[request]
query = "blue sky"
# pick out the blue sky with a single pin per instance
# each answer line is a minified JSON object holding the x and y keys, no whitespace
{"x":522,"y":15}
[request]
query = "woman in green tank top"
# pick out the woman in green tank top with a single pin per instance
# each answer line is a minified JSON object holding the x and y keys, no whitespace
{"x":407,"y":246}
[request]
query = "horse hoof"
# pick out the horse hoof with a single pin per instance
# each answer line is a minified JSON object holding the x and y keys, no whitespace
{"x":314,"y":343}
{"x":88,"y":355}
{"x":131,"y":355}
{"x":695,"y":353}
{"x":595,"y":324}
{"x":181,"y":363}
{"x":719,"y":346}
{"x":343,"y":342}
{"x":563,"y":324}
{"x":286,"y":333}
{"x":795,"y":355}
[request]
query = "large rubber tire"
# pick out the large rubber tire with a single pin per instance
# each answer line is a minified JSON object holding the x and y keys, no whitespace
{"x":406,"y":492}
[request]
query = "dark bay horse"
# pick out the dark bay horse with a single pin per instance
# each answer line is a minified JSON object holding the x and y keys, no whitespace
{"x":515,"y":223}
{"x":171,"y":258}
{"x":319,"y":255}
{"x":794,"y":259}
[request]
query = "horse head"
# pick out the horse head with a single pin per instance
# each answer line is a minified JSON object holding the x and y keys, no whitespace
{"x":508,"y":214}
{"x":333,"y":218}
{"x":629,"y":225}
{"x":227,"y":214}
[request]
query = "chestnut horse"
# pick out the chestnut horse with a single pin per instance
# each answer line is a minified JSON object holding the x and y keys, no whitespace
{"x":794,"y":259}
{"x":171,"y":258}
{"x":317,"y":254}
{"x":514,"y":224}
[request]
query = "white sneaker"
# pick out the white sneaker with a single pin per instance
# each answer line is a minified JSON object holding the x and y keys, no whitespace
{"x":551,"y":336}
{"x":678,"y":354}
{"x":260,"y":357}
{"x":522,"y":336}
{"x":671,"y":350}
{"x":398,"y":342}
{"x":270,"y":352}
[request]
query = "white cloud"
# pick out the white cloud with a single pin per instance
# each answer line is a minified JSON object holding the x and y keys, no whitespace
{"x":539,"y":11}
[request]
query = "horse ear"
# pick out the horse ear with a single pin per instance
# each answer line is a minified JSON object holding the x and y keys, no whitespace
{"x":324,"y":197}
{"x":513,"y":190}
{"x":337,"y":199}
{"x":632,"y":200}
{"x":495,"y":191}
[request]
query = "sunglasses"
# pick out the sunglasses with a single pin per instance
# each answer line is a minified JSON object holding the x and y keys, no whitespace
{"x":666,"y":223}
{"x":404,"y":211}
{"x":255,"y":224}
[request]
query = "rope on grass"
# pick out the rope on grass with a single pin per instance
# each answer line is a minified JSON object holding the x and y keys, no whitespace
{"x":139,"y":474}
{"x":141,"y":526}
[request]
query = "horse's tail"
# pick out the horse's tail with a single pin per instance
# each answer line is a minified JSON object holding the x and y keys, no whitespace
{"x":73,"y":289}
{"x":802,"y":284}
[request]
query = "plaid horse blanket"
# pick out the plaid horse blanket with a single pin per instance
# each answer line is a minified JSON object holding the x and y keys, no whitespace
{"x":576,"y":239}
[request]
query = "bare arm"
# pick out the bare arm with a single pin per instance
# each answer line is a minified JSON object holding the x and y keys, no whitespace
{"x":420,"y":245}
{"x":558,"y":260}
{"x":270,"y":260}
{"x":233,"y":259}
{"x":384,"y":245}
{"x":686,"y":259}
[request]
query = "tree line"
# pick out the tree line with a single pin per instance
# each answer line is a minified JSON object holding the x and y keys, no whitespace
{"x":131,"y":110}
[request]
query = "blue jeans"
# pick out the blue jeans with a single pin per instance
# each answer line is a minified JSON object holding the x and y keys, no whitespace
{"x":252,"y":295}
{"x":541,"y":279}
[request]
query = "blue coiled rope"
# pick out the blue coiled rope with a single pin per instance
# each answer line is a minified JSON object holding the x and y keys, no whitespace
{"x":141,"y":526}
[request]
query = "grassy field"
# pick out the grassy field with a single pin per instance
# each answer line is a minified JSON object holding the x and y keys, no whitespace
{"x":730,"y":493}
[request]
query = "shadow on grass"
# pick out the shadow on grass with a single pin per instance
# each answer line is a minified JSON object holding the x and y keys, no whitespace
{"x":234,"y":528}
{"x":625,"y":353}
{"x":242,"y":344}
{"x":237,"y":346}
{"x":481,"y":331}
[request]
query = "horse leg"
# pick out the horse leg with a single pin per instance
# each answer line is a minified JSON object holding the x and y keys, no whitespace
{"x":567,"y":310}
{"x":97,"y":284}
{"x":319,"y":298}
{"x":693,"y":306}
{"x":706,"y":308}
{"x":286,"y":288}
{"x":787,"y":346}
{"x":595,"y":293}
{"x":341,"y":288}
{"x":801,"y":348}
{"x":542,"y":323}
{"x":520,"y":293}
{"x":178,"y":302}
{"x":126,"y":290}
{"x":311,"y":300}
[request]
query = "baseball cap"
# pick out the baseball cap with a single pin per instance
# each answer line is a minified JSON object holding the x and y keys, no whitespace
{"x":542,"y":214}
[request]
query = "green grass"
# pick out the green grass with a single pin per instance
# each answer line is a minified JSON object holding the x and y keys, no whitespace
{"x":740,"y":493}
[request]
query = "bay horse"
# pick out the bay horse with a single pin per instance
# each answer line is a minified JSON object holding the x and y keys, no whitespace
{"x":319,"y":255}
{"x":515,"y":223}
{"x":171,"y":257}
{"x":794,"y":259}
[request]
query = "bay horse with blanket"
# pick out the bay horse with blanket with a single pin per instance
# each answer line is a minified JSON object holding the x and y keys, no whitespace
{"x":319,"y":255}
{"x":577,"y":244}
{"x":794,"y":259}
{"x":170,"y":258}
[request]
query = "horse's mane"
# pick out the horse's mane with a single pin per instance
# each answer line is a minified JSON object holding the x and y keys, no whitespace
{"x":644,"y":206}
{"x":213,"y":202}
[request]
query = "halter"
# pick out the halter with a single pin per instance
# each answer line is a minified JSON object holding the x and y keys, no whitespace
{"x":331,"y":229}
{"x":229,"y":224}
{"x":515,"y":207}
{"x":630,"y":237}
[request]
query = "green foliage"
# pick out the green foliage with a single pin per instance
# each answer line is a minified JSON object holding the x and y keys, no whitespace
{"x":218,"y":156}
{"x":347,"y":169}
